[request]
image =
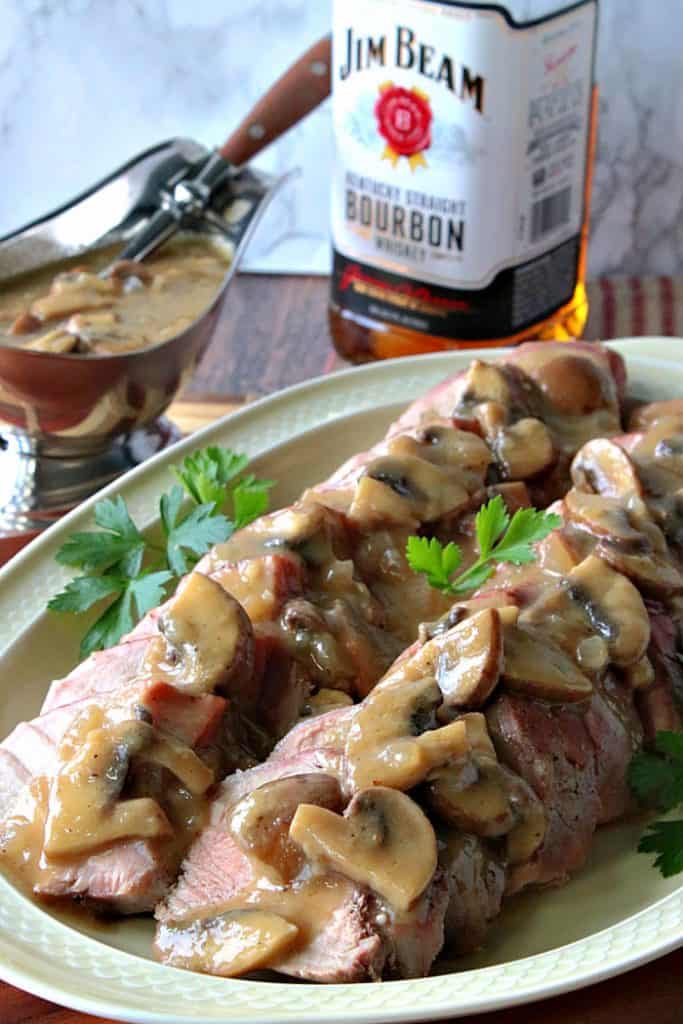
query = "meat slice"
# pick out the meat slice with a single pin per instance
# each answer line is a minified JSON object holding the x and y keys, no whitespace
{"x":351,"y":936}
{"x":415,"y":938}
{"x":105,"y":671}
{"x":476,"y":884}
{"x":531,"y":358}
{"x":657,"y":704}
{"x":615,"y":730}
{"x":551,"y":749}
{"x":340,"y":944}
{"x":128,"y":876}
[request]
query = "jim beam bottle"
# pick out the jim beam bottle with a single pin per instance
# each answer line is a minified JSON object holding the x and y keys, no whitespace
{"x":464,"y":146}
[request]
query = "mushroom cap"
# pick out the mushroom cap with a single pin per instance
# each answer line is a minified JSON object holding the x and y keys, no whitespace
{"x":602,"y":467}
{"x":206,"y":641}
{"x":227,"y":943}
{"x":384,"y":841}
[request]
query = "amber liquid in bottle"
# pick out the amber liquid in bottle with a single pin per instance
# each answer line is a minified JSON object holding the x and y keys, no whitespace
{"x":358,"y":336}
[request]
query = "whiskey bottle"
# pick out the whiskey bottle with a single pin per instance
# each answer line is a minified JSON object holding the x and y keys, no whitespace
{"x":464,"y":137}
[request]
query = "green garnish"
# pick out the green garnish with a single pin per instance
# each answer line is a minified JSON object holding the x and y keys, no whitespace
{"x":118,"y":563}
{"x":499,"y":539}
{"x":656,"y":778}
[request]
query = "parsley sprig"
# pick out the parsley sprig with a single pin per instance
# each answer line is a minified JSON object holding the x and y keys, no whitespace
{"x":499,"y":539}
{"x":656,"y":778}
{"x":119,"y":564}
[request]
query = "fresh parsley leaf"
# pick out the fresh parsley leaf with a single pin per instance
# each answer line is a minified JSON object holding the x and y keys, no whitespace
{"x":473,"y":578}
{"x":114,"y":622}
{"x":206,"y":473}
{"x":656,"y":778}
{"x":112,"y":558}
{"x":436,"y":562}
{"x":651,"y":780}
{"x":499,"y":538}
{"x":671,"y":744}
{"x":136,"y":597}
{"x":119,"y":540}
{"x":83,"y":592}
{"x":149,"y":589}
{"x":196,"y":533}
{"x":249,"y":499}
{"x":527,"y":527}
{"x":491,"y":521}
{"x":665,"y":838}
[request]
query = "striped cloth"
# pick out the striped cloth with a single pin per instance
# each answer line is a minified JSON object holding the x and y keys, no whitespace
{"x":625,"y":307}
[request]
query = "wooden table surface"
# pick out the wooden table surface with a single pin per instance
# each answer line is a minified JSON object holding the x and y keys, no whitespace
{"x":273,"y":333}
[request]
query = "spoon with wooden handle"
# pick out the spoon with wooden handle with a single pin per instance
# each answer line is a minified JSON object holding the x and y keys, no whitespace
{"x":299,"y":91}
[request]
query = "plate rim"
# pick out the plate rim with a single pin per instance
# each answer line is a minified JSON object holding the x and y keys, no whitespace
{"x":18,"y":972}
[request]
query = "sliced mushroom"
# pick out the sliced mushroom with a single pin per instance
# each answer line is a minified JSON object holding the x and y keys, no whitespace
{"x":495,"y":803}
{"x":326,"y":700}
{"x":574,"y":385}
{"x":491,"y":418}
{"x":469,"y":667}
{"x":628,"y":539}
{"x":85,"y":811}
{"x":515,"y":494}
{"x":527,"y":836}
{"x":206,"y":641}
{"x":604,"y":517}
{"x":602,"y":467}
{"x":524,"y":449}
{"x":483,"y":382}
{"x":383,"y":841}
{"x":57,"y":341}
{"x":646,"y":416}
{"x":555,"y":554}
{"x":480,"y":805}
{"x":592,"y":654}
{"x":26,"y":323}
{"x":640,"y":676}
{"x":446,"y":446}
{"x":392,"y":742}
{"x":537,"y":668}
{"x":613,"y":607}
{"x":416,"y":490}
{"x":73,"y":292}
{"x":226,"y":944}
{"x":260,"y":821}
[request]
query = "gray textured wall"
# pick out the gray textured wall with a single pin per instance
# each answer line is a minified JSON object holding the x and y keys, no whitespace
{"x":83,"y":85}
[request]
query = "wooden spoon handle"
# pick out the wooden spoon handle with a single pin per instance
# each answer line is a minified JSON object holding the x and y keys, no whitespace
{"x":302,"y":88}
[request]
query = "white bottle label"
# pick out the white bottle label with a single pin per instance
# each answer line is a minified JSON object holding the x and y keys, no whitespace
{"x":461,"y":160}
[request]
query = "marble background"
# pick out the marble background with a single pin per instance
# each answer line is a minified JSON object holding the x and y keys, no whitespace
{"x":84,"y":84}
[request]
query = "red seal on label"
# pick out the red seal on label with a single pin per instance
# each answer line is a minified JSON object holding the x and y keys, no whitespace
{"x":404,"y":120}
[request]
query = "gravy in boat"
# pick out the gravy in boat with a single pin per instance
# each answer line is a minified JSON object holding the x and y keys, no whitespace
{"x":69,"y":308}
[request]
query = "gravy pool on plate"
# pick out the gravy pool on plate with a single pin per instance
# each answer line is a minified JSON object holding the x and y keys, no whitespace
{"x":69,"y":308}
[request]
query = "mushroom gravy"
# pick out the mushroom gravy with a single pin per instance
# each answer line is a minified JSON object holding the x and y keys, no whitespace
{"x":70,"y":308}
{"x":362,"y":810}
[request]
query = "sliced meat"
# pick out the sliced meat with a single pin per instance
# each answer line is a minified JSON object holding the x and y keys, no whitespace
{"x":347,"y":947}
{"x":340,"y":944}
{"x":476,"y":884}
{"x":105,"y":671}
{"x":130,"y":878}
{"x":551,"y":749}
{"x":658,"y":705}
{"x":615,"y":730}
{"x":415,"y":938}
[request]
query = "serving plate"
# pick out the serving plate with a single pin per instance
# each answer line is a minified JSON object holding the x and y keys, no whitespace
{"x":614,"y":915}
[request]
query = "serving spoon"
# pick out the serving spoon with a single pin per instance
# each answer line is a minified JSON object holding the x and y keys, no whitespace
{"x":187,"y":202}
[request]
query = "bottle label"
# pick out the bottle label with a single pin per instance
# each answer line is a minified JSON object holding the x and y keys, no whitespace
{"x":461,"y":153}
